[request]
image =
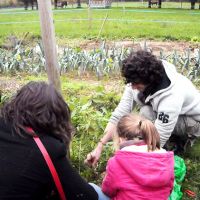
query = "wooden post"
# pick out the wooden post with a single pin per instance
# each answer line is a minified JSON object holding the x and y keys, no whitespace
{"x":49,"y":42}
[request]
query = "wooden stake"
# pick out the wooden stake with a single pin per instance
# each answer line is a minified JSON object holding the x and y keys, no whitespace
{"x":102,"y":25}
{"x":49,"y":42}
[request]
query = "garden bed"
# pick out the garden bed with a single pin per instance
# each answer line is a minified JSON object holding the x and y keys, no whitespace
{"x":93,"y":100}
{"x":156,"y":46}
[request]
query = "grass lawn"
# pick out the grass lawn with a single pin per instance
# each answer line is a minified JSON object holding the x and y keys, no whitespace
{"x":122,"y":22}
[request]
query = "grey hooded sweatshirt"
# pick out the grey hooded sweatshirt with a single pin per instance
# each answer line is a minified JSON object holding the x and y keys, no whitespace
{"x":179,"y":98}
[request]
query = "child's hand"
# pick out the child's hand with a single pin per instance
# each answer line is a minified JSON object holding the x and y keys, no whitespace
{"x":93,"y":157}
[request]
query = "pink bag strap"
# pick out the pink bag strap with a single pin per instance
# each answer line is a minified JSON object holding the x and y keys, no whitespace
{"x":49,"y":164}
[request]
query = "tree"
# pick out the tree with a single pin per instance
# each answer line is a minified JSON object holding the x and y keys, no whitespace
{"x":159,"y":3}
{"x":29,"y":2}
{"x":55,"y":4}
{"x":156,"y":2}
{"x":78,"y":3}
{"x":193,"y":4}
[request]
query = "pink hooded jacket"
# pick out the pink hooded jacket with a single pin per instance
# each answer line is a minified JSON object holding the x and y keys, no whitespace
{"x":139,"y":176}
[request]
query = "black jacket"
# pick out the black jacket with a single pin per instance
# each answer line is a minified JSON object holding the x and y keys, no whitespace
{"x":24,"y":173}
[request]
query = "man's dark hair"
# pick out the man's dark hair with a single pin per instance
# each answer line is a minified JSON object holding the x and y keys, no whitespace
{"x":38,"y":105}
{"x":142,"y":67}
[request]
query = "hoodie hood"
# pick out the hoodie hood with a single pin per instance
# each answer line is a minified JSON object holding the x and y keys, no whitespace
{"x":156,"y":168}
{"x":170,"y":72}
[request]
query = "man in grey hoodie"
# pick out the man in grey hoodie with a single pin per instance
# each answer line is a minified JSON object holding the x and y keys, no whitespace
{"x":163,"y":95}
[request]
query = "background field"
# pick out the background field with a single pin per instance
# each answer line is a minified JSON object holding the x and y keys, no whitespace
{"x":121,"y":22}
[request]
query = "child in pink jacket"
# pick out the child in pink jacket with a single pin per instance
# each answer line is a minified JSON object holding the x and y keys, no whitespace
{"x":141,"y":169}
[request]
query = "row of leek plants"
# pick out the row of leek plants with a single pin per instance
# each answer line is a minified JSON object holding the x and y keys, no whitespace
{"x":105,"y":60}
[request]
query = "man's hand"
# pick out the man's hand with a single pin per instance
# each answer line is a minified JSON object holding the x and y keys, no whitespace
{"x":93,"y":157}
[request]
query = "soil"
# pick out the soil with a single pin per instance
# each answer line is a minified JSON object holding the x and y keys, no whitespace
{"x":9,"y":84}
{"x":155,"y":46}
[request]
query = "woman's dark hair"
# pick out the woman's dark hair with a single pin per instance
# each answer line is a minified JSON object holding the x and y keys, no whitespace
{"x":142,"y":67}
{"x":132,"y":126}
{"x":40,"y":106}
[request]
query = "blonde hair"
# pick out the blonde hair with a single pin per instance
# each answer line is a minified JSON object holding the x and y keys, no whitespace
{"x":132,"y":126}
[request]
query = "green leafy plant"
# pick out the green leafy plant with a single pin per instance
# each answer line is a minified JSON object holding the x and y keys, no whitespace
{"x":103,"y":61}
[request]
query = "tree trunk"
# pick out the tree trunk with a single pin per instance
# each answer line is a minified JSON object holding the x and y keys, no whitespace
{"x":78,"y":3}
{"x":32,"y":4}
{"x":26,"y":4}
{"x":192,"y":5}
{"x":36,"y":4}
{"x":149,"y":3}
{"x":55,"y":4}
{"x":159,"y":3}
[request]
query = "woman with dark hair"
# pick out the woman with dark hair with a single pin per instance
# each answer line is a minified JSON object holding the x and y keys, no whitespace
{"x":164,"y":96}
{"x":37,"y":110}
